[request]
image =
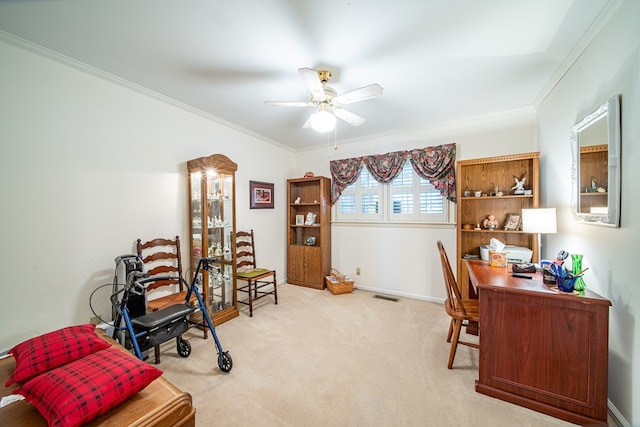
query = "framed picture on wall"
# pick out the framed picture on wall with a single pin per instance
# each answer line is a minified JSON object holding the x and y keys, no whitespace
{"x":260,"y":195}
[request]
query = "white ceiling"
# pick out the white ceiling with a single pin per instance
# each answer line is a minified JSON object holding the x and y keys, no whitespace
{"x":437,"y":60}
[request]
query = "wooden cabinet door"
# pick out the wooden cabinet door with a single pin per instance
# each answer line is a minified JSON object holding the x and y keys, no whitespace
{"x":305,"y":266}
{"x":546,"y":352}
{"x":296,"y":266}
{"x":312,"y":266}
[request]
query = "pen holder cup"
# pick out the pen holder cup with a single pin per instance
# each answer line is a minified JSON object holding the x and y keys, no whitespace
{"x":566,"y":284}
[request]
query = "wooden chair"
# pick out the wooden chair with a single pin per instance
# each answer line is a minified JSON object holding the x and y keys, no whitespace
{"x":161,"y":257}
{"x":260,"y":282}
{"x":461,"y":311}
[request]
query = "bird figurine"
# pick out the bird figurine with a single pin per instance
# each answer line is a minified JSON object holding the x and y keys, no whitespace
{"x":519,"y":187}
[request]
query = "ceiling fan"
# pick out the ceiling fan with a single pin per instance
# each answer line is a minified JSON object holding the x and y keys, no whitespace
{"x":328,"y":102}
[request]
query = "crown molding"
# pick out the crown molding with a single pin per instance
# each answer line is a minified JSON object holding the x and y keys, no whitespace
{"x":585,"y":41}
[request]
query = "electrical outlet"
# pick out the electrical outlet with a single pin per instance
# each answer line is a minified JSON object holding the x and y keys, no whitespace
{"x":357,"y":271}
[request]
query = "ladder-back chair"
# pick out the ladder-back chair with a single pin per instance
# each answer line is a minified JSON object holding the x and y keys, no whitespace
{"x":161,"y":257}
{"x":260,"y":282}
{"x":461,"y":311}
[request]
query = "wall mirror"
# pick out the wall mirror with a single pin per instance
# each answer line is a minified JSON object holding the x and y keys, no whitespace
{"x":595,"y":147}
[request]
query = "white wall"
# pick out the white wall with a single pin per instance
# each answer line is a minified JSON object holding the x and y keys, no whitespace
{"x":87,"y":166}
{"x":611,"y":65}
{"x":403,"y":259}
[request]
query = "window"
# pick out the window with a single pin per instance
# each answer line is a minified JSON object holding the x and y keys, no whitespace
{"x":361,"y":200}
{"x":408,"y":198}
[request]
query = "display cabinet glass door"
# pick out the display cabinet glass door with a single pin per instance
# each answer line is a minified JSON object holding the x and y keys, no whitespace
{"x":212,"y":231}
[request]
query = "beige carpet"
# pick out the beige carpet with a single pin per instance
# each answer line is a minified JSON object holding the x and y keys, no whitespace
{"x":316,"y":359}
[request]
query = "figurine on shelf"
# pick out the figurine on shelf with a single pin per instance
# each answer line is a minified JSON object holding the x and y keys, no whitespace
{"x":311,"y":219}
{"x":490,"y":222}
{"x":218,"y":250}
{"x":519,"y":187}
{"x":197,"y":250}
{"x":297,"y":201}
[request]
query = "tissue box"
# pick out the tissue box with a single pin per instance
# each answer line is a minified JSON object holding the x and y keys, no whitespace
{"x":497,"y":259}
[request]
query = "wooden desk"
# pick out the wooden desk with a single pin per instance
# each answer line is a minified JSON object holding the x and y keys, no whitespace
{"x":541,"y":348}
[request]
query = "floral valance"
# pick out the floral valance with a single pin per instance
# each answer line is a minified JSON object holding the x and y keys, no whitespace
{"x":437,"y":164}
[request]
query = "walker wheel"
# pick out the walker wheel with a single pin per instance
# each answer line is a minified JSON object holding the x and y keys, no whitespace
{"x":224,"y":361}
{"x":184,"y":347}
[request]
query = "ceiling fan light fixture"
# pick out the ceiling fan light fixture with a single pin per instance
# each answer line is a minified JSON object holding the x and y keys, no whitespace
{"x":323,"y":121}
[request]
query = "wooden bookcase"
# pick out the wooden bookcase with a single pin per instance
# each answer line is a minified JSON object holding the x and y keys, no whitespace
{"x":487,"y":175}
{"x":309,"y":245}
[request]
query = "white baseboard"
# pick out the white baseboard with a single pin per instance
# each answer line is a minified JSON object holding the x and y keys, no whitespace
{"x":616,"y":415}
{"x":399,"y":294}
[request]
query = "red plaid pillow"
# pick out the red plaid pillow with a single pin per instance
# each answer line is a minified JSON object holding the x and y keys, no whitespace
{"x":39,"y":354}
{"x":82,"y":390}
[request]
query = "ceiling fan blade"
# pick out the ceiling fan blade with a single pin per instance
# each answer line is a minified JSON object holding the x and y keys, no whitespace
{"x":313,"y":82}
{"x":360,"y":94}
{"x":307,"y":124}
{"x":289,"y":103}
{"x":348,"y":116}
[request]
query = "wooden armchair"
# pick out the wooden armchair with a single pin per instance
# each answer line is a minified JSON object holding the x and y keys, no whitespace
{"x":260,"y":282}
{"x":461,"y":311}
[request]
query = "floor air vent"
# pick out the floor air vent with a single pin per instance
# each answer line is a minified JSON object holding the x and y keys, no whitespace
{"x":384,"y":297}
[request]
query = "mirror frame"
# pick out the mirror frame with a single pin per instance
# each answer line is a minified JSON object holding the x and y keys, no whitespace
{"x":610,"y":109}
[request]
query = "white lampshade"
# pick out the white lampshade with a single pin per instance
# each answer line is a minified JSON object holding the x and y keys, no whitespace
{"x":540,"y":220}
{"x":323,"y":121}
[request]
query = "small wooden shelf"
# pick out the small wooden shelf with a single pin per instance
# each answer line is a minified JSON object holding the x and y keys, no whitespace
{"x":307,"y":265}
{"x":511,"y":196}
{"x":494,"y":231}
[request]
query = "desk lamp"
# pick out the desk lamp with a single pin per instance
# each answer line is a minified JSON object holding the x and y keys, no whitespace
{"x":540,"y":221}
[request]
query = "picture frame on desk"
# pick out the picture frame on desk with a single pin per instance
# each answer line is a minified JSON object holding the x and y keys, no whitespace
{"x":513,"y":222}
{"x":260,"y":195}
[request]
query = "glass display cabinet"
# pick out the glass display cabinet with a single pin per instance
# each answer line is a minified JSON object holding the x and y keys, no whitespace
{"x":212,"y":231}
